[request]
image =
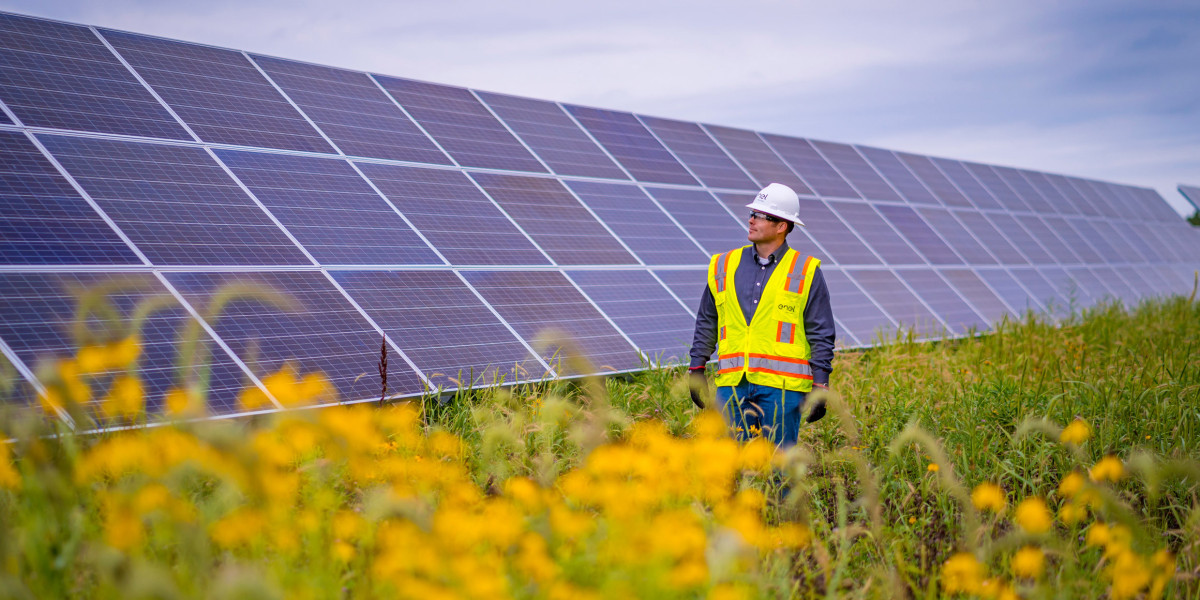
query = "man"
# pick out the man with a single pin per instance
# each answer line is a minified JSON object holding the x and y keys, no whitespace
{"x":768,"y":309}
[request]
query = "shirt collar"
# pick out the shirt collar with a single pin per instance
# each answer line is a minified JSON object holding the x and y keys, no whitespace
{"x":772,"y":257}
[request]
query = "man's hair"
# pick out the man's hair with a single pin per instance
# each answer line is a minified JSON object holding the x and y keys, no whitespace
{"x":791,"y":226}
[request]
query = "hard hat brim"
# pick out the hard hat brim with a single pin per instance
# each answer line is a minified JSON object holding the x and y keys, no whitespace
{"x":762,"y":208}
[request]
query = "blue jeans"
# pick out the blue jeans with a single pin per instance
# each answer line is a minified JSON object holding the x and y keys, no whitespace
{"x":752,"y":409}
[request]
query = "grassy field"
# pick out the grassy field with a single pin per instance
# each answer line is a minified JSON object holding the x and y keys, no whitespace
{"x":1039,"y":461}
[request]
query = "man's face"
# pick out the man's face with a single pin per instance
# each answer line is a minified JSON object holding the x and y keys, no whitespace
{"x":764,"y":230}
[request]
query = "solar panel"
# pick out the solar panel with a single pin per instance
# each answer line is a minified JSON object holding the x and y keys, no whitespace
{"x":353,"y":111}
{"x":903,"y":180}
{"x":876,"y":232}
{"x":754,"y":155}
{"x":864,"y":322}
{"x":218,"y":93}
{"x":39,"y":321}
{"x":270,"y":319}
{"x":452,"y":213}
{"x":693,"y":146}
{"x":642,"y":308}
{"x":905,"y":309}
{"x":442,"y":326}
{"x":809,"y":164}
{"x":946,"y":303}
{"x":920,"y":235}
{"x":1192,"y":194}
{"x":968,"y":284}
{"x":632,"y":145}
{"x":309,"y":214}
{"x":62,"y":76}
{"x":857,"y":171}
{"x":635,"y":219}
{"x":45,"y":220}
{"x":176,"y":203}
{"x":461,"y":125}
{"x":968,"y":185}
{"x":555,"y":220}
{"x":329,"y":209}
{"x":841,"y":244}
{"x":556,"y":310}
{"x":553,"y":136}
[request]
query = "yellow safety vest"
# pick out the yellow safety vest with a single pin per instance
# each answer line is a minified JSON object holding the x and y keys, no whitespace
{"x":771,"y":350}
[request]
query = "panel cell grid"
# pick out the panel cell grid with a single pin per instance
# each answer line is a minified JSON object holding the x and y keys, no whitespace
{"x":1091,"y":284}
{"x":877,"y":233}
{"x":901,"y":178}
{"x":270,"y":319}
{"x":933,"y":178}
{"x":1058,"y":203}
{"x":749,"y":150}
{"x":45,"y":220}
{"x":1124,"y":250}
{"x":857,"y":171}
{"x":808,"y":163}
{"x":967,"y":183}
{"x":218,"y":93}
{"x":560,"y":323}
{"x":1091,"y":192}
{"x":176,"y":204}
{"x":864,"y":323}
{"x":1000,"y":190}
{"x":442,"y":327}
{"x":328,"y":207}
{"x":1049,"y":240}
{"x":975,"y":291}
{"x":1075,"y":244}
{"x":352,"y":111}
{"x":1041,"y":290}
{"x":61,"y":76}
{"x":961,"y":240}
{"x":639,"y":223}
{"x":1117,"y":286}
{"x":922,"y":237}
{"x":38,"y":320}
{"x":644,"y":310}
{"x":457,"y":218}
{"x":555,"y":220}
{"x":702,"y":216}
{"x":462,"y":125}
{"x":700,"y":153}
{"x":1021,"y":186}
{"x":990,"y":237}
{"x":553,"y":136}
{"x":688,"y":285}
{"x":1075,"y":295}
{"x":1079,"y":205}
{"x":902,"y":306}
{"x":632,"y":145}
{"x":1095,"y":247}
{"x":944,"y":300}
{"x":839,"y":242}
{"x":1011,"y":291}
{"x":1021,"y":240}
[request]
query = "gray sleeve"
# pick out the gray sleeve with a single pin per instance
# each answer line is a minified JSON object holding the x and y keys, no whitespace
{"x":704,"y":341}
{"x":819,"y":329}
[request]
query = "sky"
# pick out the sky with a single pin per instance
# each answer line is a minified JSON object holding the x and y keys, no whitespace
{"x":1096,"y":88}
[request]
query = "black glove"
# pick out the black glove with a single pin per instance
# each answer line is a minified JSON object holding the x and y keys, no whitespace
{"x":818,"y":408}
{"x":697,"y":385}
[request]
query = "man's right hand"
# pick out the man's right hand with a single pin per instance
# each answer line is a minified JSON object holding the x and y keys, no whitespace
{"x":698,"y":386}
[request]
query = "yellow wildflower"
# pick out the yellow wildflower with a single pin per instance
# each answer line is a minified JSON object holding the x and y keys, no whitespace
{"x":343,"y":552}
{"x":125,"y":398}
{"x":180,"y":402}
{"x":1109,"y":468}
{"x":1071,"y":484}
{"x":1029,"y":562}
{"x":932,"y":468}
{"x":122,"y":354}
{"x":1072,"y":513}
{"x":1129,"y":575}
{"x":962,"y":573}
{"x":9,"y":478}
{"x":239,"y":528}
{"x":731,"y":591}
{"x":253,"y":398}
{"x":1033,"y":516}
{"x":988,"y":496}
{"x":91,"y":359}
{"x":1076,"y":433}
{"x":1163,"y":565}
{"x":348,"y":525}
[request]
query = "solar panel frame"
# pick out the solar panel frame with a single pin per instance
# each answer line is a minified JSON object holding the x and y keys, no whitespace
{"x":842,"y":244}
{"x":647,"y":313}
{"x":1055,"y":247}
{"x":942,"y":188}
{"x":977,"y":294}
{"x":552,"y":135}
{"x":913,"y":227}
{"x":857,"y":171}
{"x":945,"y":301}
{"x":962,"y":241}
{"x":991,"y":181}
{"x":703,"y":217}
{"x":1019,"y":299}
{"x":352,"y":111}
{"x":876,"y":232}
{"x":804,"y":159}
{"x":218,"y":93}
{"x":899,"y":175}
{"x":702,"y":156}
{"x":1057,"y":201}
{"x":862,"y":318}
{"x":904,"y":307}
{"x":971,"y":193}
{"x":1022,"y":189}
{"x":463,"y":126}
{"x":62,"y":76}
{"x":1078,"y":250}
{"x":633,"y":146}
{"x":990,"y":237}
{"x":1079,"y":204}
{"x":1041,"y":290}
{"x":639,"y":222}
{"x":757,"y":158}
{"x":1103,"y":251}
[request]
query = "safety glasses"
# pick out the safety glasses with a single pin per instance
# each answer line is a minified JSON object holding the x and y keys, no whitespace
{"x":754,"y":214}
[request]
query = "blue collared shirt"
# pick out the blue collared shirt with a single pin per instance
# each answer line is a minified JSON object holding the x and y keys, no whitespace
{"x":748,"y":281}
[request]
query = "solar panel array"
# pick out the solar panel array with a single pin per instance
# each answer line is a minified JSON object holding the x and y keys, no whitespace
{"x":276,"y":212}
{"x":1192,"y":194}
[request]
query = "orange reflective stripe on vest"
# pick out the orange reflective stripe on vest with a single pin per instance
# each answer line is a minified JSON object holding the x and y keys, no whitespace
{"x":779,"y":365}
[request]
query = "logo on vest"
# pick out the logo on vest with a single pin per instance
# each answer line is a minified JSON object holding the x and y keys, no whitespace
{"x":788,"y":307}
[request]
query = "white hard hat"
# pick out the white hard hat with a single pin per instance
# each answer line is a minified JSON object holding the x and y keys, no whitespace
{"x":778,"y":200}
